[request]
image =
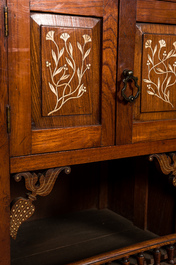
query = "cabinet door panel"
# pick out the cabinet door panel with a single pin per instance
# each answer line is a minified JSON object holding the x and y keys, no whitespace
{"x":66,"y":65}
{"x":155,"y":65}
{"x":66,"y":85}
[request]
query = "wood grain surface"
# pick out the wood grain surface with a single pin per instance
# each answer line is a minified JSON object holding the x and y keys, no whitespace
{"x":75,"y":157}
{"x":81,"y":7}
{"x":126,"y":45}
{"x":70,"y":138}
{"x":4,"y":149}
{"x":156,"y":11}
{"x":19,"y":77}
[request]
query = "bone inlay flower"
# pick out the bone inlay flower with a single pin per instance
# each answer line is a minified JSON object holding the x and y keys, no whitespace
{"x":62,"y":75}
{"x":161,"y":64}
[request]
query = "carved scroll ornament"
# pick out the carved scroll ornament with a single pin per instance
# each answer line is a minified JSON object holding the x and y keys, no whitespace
{"x":38,"y":184}
{"x":167,"y":164}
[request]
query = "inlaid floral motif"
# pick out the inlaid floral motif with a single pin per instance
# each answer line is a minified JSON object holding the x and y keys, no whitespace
{"x":61,"y":78}
{"x":161,"y":66}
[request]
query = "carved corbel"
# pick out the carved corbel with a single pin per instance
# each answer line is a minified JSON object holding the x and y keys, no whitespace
{"x":38,"y":184}
{"x":167,"y":164}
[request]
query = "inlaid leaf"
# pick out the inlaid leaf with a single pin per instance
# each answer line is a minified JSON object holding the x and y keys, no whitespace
{"x":158,"y":83}
{"x":87,"y":53}
{"x":54,"y":57}
{"x":150,"y":93}
{"x":58,"y":70}
{"x":150,"y":59}
{"x":80,"y":47}
{"x":64,"y":77}
{"x":168,"y":94}
{"x":160,"y":70}
{"x":69,"y":62}
{"x":80,"y":89}
{"x":78,"y":73}
{"x":52,"y":88}
{"x":155,"y":49}
{"x":61,"y":52}
{"x":70,"y":48}
{"x":169,"y":54}
{"x":170,"y":67}
{"x":147,"y":81}
{"x":168,"y":81}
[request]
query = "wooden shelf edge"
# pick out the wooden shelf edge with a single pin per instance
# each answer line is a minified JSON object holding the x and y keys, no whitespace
{"x":83,"y":156}
{"x":127,"y":251}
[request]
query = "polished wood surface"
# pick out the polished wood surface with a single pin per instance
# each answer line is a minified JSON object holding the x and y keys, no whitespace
{"x":19,"y":77}
{"x":102,"y":126}
{"x":77,"y":71}
{"x":109,"y":72}
{"x":156,"y":12}
{"x":44,"y":141}
{"x":131,"y":250}
{"x":96,"y":92}
{"x":75,"y":157}
{"x":4,"y":150}
{"x":85,"y":8}
{"x":152,"y":104}
{"x":126,"y":37}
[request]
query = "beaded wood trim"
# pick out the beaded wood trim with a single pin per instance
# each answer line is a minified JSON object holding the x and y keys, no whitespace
{"x":167,"y":165}
{"x":38,"y":184}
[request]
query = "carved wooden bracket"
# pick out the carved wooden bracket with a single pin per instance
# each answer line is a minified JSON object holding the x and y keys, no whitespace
{"x":167,"y":164}
{"x":38,"y":184}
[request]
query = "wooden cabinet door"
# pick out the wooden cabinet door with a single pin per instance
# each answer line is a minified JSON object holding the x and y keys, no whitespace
{"x":155,"y":64}
{"x":62,"y":74}
{"x":151,"y":116}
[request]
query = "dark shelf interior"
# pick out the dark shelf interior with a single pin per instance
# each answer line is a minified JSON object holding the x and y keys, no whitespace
{"x":73,"y":237}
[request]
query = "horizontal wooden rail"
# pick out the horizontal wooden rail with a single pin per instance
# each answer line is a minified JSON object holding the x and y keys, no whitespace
{"x":156,"y":12}
{"x":127,"y":251}
{"x":83,"y":156}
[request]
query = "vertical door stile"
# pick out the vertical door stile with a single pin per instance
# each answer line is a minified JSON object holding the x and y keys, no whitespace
{"x":19,"y":76}
{"x":126,"y":46}
{"x":110,"y":28}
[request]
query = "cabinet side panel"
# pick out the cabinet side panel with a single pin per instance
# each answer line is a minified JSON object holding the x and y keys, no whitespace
{"x":19,"y":76}
{"x":4,"y":151}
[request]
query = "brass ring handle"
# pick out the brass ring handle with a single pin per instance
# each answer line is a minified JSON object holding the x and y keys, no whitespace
{"x":129,"y":76}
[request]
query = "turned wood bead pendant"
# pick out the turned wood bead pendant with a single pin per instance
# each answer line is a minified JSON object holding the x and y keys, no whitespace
{"x":38,"y":184}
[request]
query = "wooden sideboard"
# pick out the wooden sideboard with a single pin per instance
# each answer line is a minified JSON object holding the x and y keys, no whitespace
{"x":85,"y":82}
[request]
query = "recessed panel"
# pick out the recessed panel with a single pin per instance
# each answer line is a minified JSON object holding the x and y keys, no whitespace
{"x":66,"y":72}
{"x":158,"y":73}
